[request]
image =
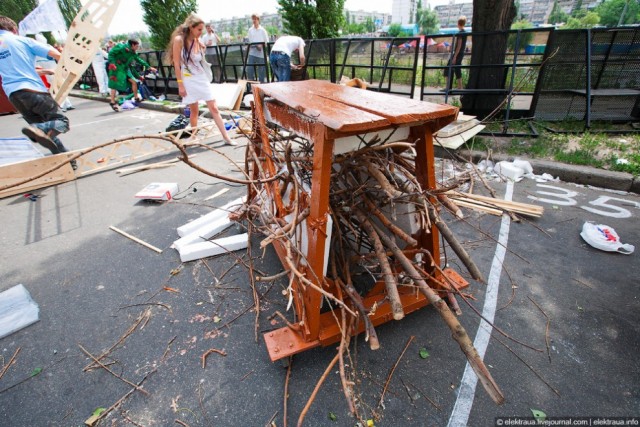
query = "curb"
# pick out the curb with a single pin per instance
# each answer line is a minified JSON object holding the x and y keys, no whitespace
{"x":174,"y":108}
{"x":578,"y":174}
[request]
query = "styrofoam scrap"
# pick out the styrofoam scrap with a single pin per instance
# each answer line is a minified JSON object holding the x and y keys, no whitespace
{"x":524,"y":165}
{"x":485,"y":165}
{"x":214,"y":247}
{"x":203,"y":233}
{"x":509,"y":170}
{"x":17,"y":310}
{"x":223,"y":211}
{"x":545,"y":177}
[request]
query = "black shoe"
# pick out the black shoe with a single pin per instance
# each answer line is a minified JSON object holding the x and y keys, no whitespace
{"x":74,"y":164}
{"x":37,"y":135}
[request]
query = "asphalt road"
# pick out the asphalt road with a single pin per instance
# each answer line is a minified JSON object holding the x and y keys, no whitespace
{"x":97,"y":289}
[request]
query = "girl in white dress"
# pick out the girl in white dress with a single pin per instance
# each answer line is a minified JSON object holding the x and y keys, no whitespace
{"x":185,"y":51}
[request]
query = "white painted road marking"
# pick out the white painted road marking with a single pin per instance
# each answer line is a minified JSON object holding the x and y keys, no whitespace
{"x":462,"y":408}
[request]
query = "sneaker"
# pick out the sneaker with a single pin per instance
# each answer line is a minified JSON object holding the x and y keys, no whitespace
{"x":37,"y":135}
{"x":74,"y":164}
{"x":230,"y":142}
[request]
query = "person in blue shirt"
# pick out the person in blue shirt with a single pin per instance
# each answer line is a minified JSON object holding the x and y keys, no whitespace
{"x":25,"y":89}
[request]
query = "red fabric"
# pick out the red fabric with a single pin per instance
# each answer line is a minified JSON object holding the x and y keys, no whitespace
{"x":44,"y":80}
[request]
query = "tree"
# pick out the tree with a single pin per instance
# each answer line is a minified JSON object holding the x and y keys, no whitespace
{"x":557,"y":15}
{"x":312,"y":19}
{"x":525,"y":37}
{"x":589,"y":20}
{"x":618,"y":12}
{"x":395,"y":30}
{"x":69,"y":9}
{"x":488,"y":16}
{"x":17,"y":9}
{"x":163,"y":16}
{"x":427,"y":21}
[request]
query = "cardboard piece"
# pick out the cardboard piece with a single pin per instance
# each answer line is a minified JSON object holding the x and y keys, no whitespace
{"x":158,"y":191}
{"x":228,"y":96}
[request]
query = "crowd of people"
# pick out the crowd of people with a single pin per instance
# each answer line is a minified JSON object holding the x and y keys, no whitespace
{"x":26,"y":67}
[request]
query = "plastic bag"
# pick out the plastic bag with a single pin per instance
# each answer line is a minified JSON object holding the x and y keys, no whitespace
{"x":604,"y":238}
{"x":180,"y":122}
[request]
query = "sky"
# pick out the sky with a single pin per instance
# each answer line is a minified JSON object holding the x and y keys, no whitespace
{"x":128,"y":18}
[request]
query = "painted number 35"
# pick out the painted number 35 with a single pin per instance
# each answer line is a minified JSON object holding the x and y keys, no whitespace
{"x":604,"y":204}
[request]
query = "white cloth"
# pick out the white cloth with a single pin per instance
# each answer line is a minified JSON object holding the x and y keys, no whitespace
{"x":257,"y":35}
{"x":209,"y":39}
{"x":288,"y":44}
{"x":195,"y":81}
{"x":45,"y":17}
{"x":98,"y":63}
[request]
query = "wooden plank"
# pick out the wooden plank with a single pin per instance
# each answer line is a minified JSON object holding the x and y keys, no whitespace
{"x":83,"y":41}
{"x":397,"y":110}
{"x":17,"y":172}
{"x":338,"y":117}
{"x":453,"y":142}
{"x":456,"y":128}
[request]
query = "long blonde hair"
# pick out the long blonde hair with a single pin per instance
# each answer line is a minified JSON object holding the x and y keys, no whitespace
{"x":183,"y":30}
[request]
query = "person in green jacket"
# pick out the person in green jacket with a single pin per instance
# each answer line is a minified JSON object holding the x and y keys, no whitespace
{"x":122,"y":74}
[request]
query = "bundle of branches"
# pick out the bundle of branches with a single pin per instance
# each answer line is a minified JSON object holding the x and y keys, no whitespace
{"x":376,"y":205}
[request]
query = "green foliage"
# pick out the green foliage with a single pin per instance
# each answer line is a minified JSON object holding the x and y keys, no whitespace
{"x":312,"y":19}
{"x":589,"y":20}
{"x":610,"y":12}
{"x":17,"y":9}
{"x":557,"y":14}
{"x":395,"y":30}
{"x":163,"y":16}
{"x":427,"y":21}
{"x":525,"y":37}
{"x":69,"y":9}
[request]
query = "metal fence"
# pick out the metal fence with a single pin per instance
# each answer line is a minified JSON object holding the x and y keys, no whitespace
{"x":544,"y":74}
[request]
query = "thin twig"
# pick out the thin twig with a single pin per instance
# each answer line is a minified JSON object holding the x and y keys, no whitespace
{"x":106,"y":368}
{"x":386,"y":384}
{"x":207,"y":353}
{"x":546,"y":331}
{"x":11,"y":362}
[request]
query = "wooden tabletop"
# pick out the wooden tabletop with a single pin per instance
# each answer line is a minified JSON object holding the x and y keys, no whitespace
{"x":348,"y":109}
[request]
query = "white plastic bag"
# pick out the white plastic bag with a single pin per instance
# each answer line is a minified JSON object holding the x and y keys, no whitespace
{"x":604,"y":238}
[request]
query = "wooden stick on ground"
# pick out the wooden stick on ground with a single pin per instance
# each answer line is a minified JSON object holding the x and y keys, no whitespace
{"x":459,"y":333}
{"x":316,"y":389}
{"x":135,"y":239}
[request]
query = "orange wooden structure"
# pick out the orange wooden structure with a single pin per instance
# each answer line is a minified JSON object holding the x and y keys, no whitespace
{"x":328,"y":115}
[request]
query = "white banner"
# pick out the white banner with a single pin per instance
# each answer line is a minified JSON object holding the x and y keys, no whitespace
{"x":46,"y":17}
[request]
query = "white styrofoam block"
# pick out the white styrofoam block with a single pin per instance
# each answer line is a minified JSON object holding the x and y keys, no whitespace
{"x":509,"y":170}
{"x":17,"y":310}
{"x":352,"y":143}
{"x":192,"y":226}
{"x":524,"y":165}
{"x":214,"y":247}
{"x":203,"y":233}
